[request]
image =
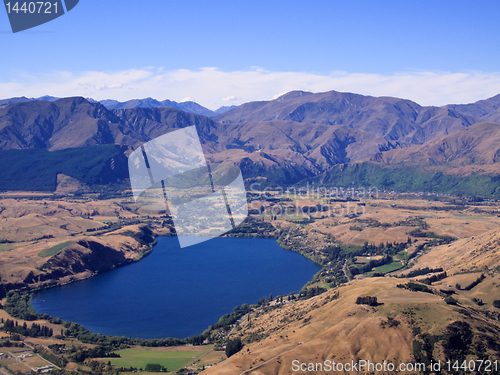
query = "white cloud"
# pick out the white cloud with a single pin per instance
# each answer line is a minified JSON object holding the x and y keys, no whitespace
{"x":231,"y":98}
{"x":213,"y":88}
{"x":109,"y":87}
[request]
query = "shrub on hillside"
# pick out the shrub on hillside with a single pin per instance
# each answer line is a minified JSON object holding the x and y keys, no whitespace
{"x":450,"y":300}
{"x":233,"y":347}
{"x":370,"y":301}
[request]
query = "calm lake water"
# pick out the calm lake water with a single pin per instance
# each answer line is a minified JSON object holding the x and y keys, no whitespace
{"x":177,"y":292}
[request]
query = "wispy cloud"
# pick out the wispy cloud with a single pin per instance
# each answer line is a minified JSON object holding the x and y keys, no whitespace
{"x":213,"y":88}
{"x":231,"y":98}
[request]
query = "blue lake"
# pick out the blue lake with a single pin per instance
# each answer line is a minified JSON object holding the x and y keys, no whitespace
{"x":177,"y":292}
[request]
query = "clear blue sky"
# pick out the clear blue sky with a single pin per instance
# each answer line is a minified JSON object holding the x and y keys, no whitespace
{"x":381,"y":38}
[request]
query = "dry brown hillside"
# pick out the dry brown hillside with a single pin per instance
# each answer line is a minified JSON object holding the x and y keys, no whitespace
{"x":406,"y":327}
{"x":478,"y":144}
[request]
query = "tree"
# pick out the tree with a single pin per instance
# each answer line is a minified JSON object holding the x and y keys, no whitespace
{"x":450,"y":300}
{"x":370,"y":301}
{"x":154,"y":367}
{"x":233,"y":347}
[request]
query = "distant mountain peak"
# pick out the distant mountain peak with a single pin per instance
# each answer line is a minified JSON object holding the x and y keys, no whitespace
{"x":187,"y":106}
{"x":48,"y":98}
{"x":293,"y":94}
{"x":302,"y":135}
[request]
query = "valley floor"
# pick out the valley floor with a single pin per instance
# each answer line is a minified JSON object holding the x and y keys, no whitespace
{"x":379,"y":246}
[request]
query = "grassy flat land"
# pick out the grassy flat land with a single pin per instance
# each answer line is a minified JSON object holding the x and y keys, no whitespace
{"x":388,"y":267}
{"x":167,"y":357}
{"x":53,"y":250}
{"x":394,"y":266}
{"x":6,"y":247}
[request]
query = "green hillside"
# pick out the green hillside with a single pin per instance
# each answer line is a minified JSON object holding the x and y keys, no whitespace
{"x":36,"y":169}
{"x":409,"y":179}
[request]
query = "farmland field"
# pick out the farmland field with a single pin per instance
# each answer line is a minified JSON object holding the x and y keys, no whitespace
{"x":172,"y":359}
{"x":388,"y":267}
{"x":53,"y":250}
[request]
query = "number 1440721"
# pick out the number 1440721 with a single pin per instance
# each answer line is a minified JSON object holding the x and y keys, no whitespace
{"x":32,"y":7}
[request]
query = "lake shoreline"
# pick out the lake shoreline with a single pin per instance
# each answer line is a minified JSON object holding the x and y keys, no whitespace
{"x":223,"y":312}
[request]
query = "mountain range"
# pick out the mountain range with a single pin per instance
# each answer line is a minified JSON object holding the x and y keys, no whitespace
{"x":187,"y":106}
{"x":300,"y":135}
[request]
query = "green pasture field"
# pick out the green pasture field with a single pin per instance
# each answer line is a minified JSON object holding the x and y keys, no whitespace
{"x":140,"y":357}
{"x":53,"y":250}
{"x":388,"y":267}
{"x":6,"y":247}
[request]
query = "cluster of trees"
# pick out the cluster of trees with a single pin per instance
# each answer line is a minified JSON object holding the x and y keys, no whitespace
{"x":35,"y":330}
{"x":311,"y":292}
{"x":17,"y":306}
{"x":457,"y":342}
{"x":196,"y":340}
{"x":254,"y":228}
{"x":79,"y":355}
{"x":265,"y":300}
{"x":312,"y":209}
{"x":233,"y":347}
{"x":419,"y":233}
{"x":475,"y":282}
{"x":415,"y":252}
{"x":389,"y":248}
{"x":155,"y":367}
{"x":390,"y":322}
{"x":450,"y":300}
{"x":108,"y":226}
{"x":448,"y":292}
{"x":478,"y":301}
{"x":434,"y":278}
{"x":232,"y":318}
{"x":9,"y":344}
{"x":333,"y":253}
{"x":356,"y":270}
{"x":421,"y":271}
{"x":118,"y":342}
{"x":370,"y":301}
{"x":415,"y":287}
{"x":305,"y":293}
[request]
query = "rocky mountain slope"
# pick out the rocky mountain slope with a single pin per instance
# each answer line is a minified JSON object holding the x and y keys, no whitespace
{"x":188,"y":106}
{"x":478,"y":144}
{"x":75,"y":122}
{"x":299,"y":135}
